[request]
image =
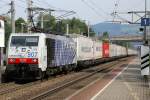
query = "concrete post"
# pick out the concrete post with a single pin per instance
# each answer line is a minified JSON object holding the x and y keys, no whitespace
{"x":67,"y":29}
{"x":42,"y":23}
{"x":13,"y":16}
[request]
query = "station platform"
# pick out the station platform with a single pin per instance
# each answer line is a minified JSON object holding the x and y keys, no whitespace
{"x":124,"y":83}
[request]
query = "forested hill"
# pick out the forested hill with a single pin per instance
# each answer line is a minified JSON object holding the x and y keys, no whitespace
{"x":115,"y":28}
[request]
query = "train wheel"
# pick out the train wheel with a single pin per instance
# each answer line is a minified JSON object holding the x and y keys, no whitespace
{"x":41,"y":75}
{"x":46,"y":75}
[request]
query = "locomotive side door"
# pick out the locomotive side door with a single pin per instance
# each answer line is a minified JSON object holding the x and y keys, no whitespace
{"x":43,"y":54}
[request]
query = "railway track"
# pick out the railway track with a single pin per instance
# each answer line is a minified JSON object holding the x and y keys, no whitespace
{"x":4,"y":85}
{"x":54,"y":87}
{"x":12,"y":87}
{"x":68,"y":84}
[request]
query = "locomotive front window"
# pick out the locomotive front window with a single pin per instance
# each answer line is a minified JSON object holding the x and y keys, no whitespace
{"x":24,"y":41}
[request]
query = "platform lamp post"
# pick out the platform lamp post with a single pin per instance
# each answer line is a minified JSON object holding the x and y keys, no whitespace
{"x":22,"y":27}
{"x":145,"y":32}
{"x":88,"y":29}
{"x":67,"y":29}
{"x":127,"y":45}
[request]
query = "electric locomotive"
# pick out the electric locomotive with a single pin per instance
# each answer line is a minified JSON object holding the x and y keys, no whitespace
{"x":37,"y":55}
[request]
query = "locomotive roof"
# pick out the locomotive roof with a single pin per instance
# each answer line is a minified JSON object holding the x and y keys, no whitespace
{"x":52,"y":36}
{"x":69,"y":37}
{"x":27,"y":34}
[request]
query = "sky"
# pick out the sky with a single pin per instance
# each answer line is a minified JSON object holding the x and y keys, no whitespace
{"x":93,"y":11}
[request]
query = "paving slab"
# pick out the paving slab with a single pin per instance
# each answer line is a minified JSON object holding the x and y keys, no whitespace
{"x":127,"y":84}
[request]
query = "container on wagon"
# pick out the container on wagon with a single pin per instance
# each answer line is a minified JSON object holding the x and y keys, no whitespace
{"x":105,"y":47}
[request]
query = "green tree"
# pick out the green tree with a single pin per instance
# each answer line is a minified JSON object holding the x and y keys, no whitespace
{"x":75,"y":25}
{"x":49,"y":22}
{"x":105,"y":37}
{"x":61,"y":26}
{"x":92,"y":33}
{"x":18,"y":25}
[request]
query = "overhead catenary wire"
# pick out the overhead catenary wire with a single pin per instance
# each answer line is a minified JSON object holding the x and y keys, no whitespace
{"x":99,"y":8}
{"x":93,"y":9}
{"x":51,"y":6}
{"x":136,"y":5}
{"x":38,"y":2}
{"x":3,"y":6}
{"x":18,"y":5}
{"x":45,"y":2}
{"x":6,"y":4}
{"x":4,"y":1}
{"x":5,"y":14}
{"x":114,"y":14}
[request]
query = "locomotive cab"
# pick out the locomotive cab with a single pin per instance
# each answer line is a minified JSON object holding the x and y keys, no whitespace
{"x":26,"y":56}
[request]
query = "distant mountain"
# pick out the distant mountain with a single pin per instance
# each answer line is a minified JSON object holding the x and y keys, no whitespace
{"x":115,"y":28}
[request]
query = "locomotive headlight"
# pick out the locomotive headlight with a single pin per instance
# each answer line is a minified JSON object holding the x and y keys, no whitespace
{"x":11,"y":60}
{"x":35,"y":60}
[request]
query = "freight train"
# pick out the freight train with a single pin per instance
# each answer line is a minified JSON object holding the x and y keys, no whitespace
{"x":39,"y":54}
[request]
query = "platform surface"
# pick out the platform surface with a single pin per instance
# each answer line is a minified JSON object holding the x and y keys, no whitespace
{"x":128,"y":84}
